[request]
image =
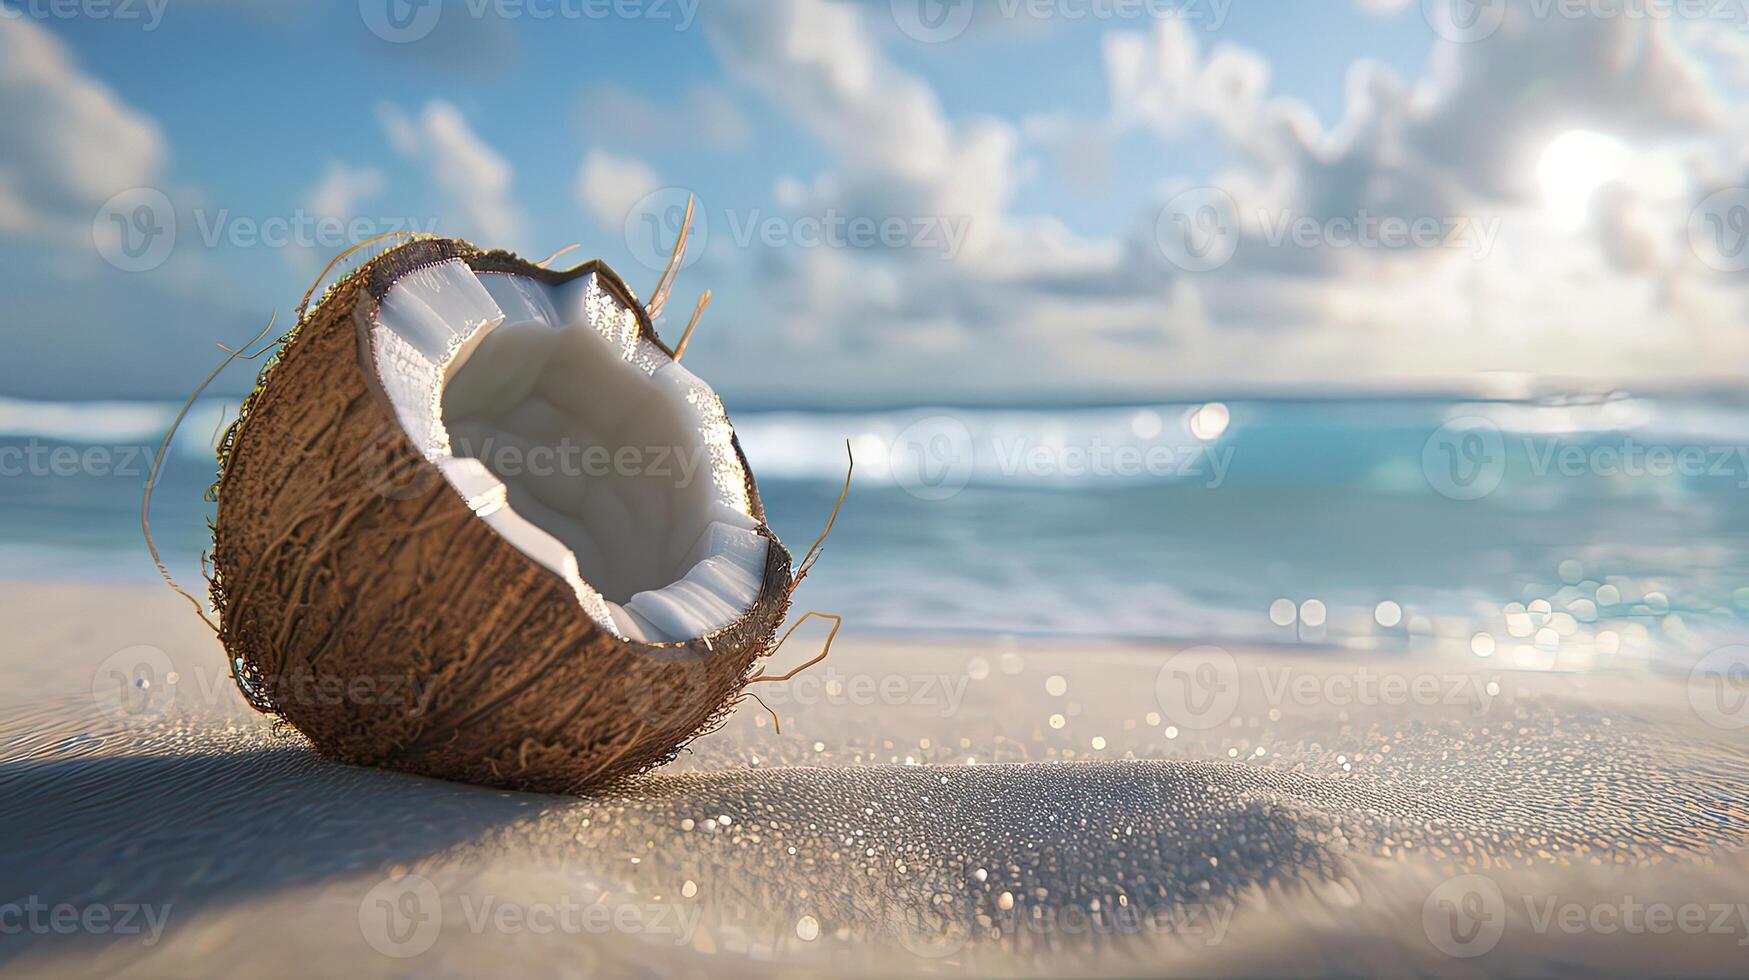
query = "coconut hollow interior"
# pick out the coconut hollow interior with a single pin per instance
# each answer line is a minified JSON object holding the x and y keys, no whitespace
{"x":582,"y":443}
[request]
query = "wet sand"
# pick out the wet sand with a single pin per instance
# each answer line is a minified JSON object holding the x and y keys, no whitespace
{"x":976,"y":805}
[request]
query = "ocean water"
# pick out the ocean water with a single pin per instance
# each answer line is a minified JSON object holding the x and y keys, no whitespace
{"x":1558,"y":534}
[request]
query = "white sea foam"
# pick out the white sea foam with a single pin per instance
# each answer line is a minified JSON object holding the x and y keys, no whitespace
{"x":116,"y":423}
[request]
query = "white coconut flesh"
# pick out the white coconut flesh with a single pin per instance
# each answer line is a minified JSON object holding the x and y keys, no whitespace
{"x":582,"y":444}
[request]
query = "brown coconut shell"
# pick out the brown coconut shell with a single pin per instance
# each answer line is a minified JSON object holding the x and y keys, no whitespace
{"x":362,"y":601}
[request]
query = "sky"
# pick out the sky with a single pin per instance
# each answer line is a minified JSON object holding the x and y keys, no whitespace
{"x":910,"y":201}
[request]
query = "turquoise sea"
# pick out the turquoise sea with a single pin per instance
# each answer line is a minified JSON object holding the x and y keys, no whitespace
{"x":1560,"y":533}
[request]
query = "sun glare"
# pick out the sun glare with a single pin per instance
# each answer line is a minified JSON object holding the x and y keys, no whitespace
{"x":1572,"y":168}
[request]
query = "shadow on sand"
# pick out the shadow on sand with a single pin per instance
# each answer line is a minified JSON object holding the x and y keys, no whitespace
{"x":195,"y":832}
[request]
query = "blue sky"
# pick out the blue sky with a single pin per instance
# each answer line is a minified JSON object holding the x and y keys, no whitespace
{"x":1561,"y":167}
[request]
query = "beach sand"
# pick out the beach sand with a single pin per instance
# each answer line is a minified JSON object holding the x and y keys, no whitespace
{"x":970,"y":805}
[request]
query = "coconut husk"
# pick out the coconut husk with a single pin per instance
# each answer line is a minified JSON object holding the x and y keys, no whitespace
{"x":362,"y":601}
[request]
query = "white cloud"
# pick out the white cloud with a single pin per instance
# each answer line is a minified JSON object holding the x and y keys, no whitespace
{"x":1163,"y":81}
{"x":705,"y":116}
{"x":336,"y":196}
{"x":818,"y":61}
{"x":896,"y":152}
{"x":1609,"y":300}
{"x":67,"y":141}
{"x":1038,"y":307}
{"x":1471,"y":124}
{"x":1483,"y":106}
{"x":341,"y":188}
{"x":475,"y":177}
{"x":1627,"y":230}
{"x":609,"y":186}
